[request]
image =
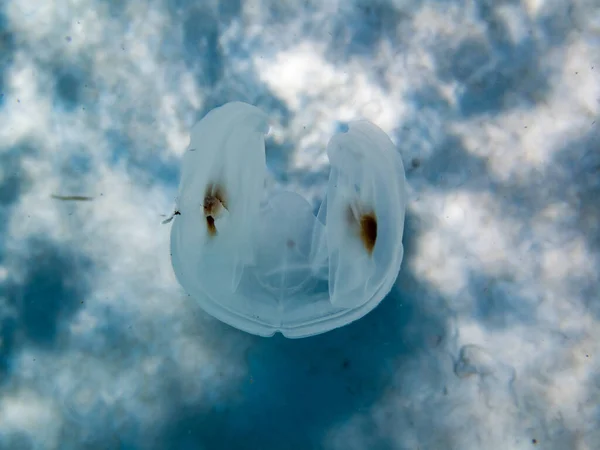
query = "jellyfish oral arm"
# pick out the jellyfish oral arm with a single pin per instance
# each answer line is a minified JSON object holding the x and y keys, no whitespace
{"x":261,"y":261}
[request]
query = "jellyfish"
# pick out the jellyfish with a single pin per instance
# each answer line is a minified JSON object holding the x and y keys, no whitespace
{"x":260,"y":259}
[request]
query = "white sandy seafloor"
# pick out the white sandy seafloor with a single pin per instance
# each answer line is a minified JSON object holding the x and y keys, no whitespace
{"x":490,"y":338}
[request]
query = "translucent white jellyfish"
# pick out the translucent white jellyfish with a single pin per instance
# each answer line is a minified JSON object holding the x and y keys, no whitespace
{"x":261,"y":261}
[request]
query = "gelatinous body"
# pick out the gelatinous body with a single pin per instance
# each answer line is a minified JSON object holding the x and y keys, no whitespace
{"x":262,"y":261}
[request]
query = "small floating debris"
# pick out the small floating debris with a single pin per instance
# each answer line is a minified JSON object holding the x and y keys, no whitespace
{"x":170,"y":218}
{"x":74,"y":198}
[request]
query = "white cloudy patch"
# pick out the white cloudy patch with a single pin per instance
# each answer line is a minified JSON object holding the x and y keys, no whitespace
{"x":25,"y":409}
{"x":302,"y":76}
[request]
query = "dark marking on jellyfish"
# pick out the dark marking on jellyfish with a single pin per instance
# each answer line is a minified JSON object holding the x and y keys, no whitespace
{"x":367,"y":226}
{"x":368,"y":231}
{"x":214,"y":202}
{"x":215,"y":194}
{"x":210,"y":223}
{"x":212,"y":205}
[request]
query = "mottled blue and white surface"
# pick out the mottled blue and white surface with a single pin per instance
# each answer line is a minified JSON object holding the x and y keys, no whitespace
{"x":491,"y":336}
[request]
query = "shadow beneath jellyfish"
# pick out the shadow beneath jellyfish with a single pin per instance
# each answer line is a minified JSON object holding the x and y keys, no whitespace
{"x":298,"y":390}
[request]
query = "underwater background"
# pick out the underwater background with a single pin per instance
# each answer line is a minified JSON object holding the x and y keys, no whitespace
{"x":490,"y":338}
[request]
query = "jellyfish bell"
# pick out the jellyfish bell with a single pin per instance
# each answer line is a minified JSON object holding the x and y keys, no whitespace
{"x":267,"y":264}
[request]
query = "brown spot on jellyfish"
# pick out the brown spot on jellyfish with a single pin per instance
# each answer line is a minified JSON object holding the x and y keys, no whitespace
{"x":214,"y":203}
{"x":366,"y":225}
{"x":368,"y":231}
